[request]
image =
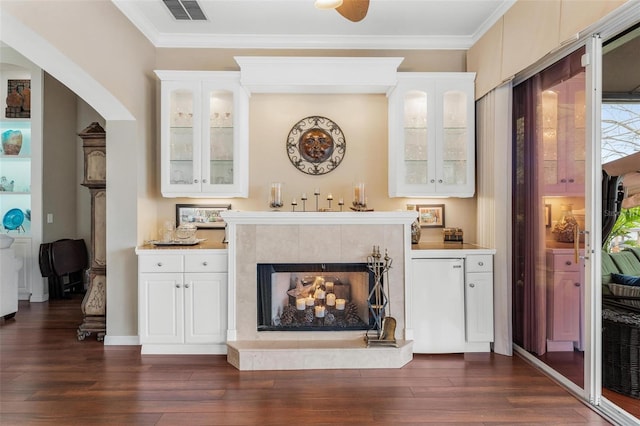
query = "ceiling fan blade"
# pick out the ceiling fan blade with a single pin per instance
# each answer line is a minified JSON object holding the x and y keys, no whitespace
{"x":354,"y":10}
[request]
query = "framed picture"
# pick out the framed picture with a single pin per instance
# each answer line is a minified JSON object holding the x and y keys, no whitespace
{"x":18,"y":99}
{"x":431,"y":215}
{"x":204,"y":216}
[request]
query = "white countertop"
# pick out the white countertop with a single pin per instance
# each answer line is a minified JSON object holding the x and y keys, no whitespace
{"x":446,"y":250}
{"x":203,"y":247}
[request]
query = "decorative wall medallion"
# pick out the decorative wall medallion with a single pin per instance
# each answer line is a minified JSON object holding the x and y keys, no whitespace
{"x":316,"y":145}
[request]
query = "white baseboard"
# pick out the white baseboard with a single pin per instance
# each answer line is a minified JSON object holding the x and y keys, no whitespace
{"x":121,"y":340}
{"x":38,"y":299}
{"x":184,"y":349}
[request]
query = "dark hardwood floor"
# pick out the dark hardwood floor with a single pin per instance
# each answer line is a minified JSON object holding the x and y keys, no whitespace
{"x":49,"y":377}
{"x":571,"y":365}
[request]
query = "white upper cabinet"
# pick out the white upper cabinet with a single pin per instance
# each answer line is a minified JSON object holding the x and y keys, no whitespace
{"x":432,"y":135}
{"x":204,"y":134}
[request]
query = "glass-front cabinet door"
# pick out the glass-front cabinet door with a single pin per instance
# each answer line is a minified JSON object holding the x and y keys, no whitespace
{"x":431,"y":135}
{"x":204,"y":134}
{"x":419,"y":149}
{"x":222,"y":133}
{"x":457,"y":165}
{"x":182,"y":167}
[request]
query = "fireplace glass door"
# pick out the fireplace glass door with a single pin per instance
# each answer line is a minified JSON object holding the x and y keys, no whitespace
{"x":308,"y":297}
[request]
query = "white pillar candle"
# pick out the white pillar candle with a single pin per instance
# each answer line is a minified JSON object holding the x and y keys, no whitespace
{"x":361,"y":194}
{"x":320,"y":311}
{"x":310,"y":301}
{"x":329,"y":286}
{"x":320,"y":294}
{"x":276,"y":193}
{"x":331,"y":299}
{"x":300,"y":304}
{"x":340,"y":304}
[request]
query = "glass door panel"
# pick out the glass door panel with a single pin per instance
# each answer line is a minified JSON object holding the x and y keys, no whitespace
{"x":416,"y":157}
{"x":549,"y":153}
{"x":221,"y":138}
{"x":454,"y":144}
{"x":181,"y":138}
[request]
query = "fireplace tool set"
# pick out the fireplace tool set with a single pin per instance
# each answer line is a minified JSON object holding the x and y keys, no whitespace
{"x":383,"y":333}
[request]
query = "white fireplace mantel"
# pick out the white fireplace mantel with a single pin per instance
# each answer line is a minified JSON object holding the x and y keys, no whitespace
{"x":319,"y":218}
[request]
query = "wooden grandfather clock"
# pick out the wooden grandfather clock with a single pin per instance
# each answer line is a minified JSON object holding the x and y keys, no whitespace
{"x":94,"y":303}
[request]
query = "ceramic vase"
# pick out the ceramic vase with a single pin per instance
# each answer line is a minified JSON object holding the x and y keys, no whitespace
{"x":11,"y":142}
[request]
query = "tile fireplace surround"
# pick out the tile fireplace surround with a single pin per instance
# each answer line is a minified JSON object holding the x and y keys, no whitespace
{"x":312,"y":237}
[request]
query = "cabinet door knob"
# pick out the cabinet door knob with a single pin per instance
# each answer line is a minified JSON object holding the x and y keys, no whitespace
{"x":186,"y":286}
{"x":204,"y":263}
{"x":177,"y":285}
{"x":433,"y":181}
{"x":204,"y":181}
{"x":439,"y":180}
{"x":480,"y":263}
{"x":576,"y":284}
{"x":571,"y":180}
{"x":568,"y":262}
{"x":159,"y":264}
{"x":472,"y":285}
{"x":563,"y":180}
{"x":195,"y":181}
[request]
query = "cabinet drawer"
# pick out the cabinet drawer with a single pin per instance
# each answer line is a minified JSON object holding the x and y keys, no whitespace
{"x":564,"y":262}
{"x":479,"y":263}
{"x":168,"y":263}
{"x":205,"y":263}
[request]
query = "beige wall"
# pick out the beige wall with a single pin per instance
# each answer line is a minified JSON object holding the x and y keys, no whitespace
{"x":527,"y":32}
{"x":222,"y":59}
{"x":59,"y":166}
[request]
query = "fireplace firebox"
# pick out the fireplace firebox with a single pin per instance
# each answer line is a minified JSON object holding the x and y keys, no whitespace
{"x":314,"y":296}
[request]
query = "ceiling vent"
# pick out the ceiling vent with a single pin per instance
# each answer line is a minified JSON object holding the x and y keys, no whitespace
{"x":185,"y":10}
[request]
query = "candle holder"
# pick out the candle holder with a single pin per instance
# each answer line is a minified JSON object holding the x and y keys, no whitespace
{"x":316,"y":192}
{"x":329,"y":199}
{"x":341,"y":203}
{"x":304,"y":201}
{"x":294,"y":203}
{"x":275,"y":197}
{"x":359,"y":197}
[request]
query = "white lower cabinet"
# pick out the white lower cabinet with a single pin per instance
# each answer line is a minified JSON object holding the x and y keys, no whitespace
{"x":478,"y":296}
{"x":452,"y":304}
{"x":182,"y":309}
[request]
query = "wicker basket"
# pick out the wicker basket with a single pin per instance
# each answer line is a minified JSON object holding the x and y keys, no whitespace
{"x":621,"y":352}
